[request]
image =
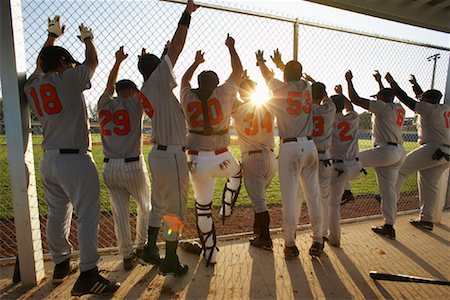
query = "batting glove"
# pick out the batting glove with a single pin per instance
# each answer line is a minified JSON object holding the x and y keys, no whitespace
{"x":54,"y":27}
{"x":85,"y":33}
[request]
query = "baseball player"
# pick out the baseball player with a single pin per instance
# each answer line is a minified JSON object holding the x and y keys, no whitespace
{"x":167,"y":159}
{"x":431,"y":159}
{"x":388,"y":153}
{"x":298,"y":158}
{"x":68,"y":172}
{"x":346,"y":165}
{"x":254,"y":126}
{"x":208,"y":109}
{"x":124,"y":170}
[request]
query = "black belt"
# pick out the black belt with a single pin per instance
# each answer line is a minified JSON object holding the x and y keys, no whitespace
{"x":209,"y":132}
{"x":128,"y":159}
{"x":256,"y":151}
{"x":164,"y":148}
{"x":287,"y":140}
{"x":69,"y":151}
{"x":389,"y":143}
{"x":340,"y":161}
{"x":445,"y":145}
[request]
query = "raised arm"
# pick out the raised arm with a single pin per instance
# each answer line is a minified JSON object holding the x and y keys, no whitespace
{"x":276,"y":58}
{"x":308,"y":78}
{"x":399,"y":93}
{"x":415,"y":86}
{"x":112,"y":79}
{"x":91,"y":61}
{"x":236,"y":64}
{"x":179,"y":38}
{"x":377,"y":77}
{"x":261,"y":62}
{"x":347,"y":104}
{"x":166,"y":49}
{"x":354,"y":97}
{"x":54,"y":32}
{"x":186,"y":80}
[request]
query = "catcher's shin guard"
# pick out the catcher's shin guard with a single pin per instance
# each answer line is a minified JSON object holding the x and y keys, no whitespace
{"x":230,"y":194}
{"x":206,"y":232}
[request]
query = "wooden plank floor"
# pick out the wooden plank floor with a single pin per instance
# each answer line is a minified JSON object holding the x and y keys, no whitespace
{"x":243,"y":272}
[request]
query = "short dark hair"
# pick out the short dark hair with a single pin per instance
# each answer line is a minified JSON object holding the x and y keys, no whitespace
{"x":125,"y":84}
{"x":147,"y":64}
{"x":339,"y":101}
{"x":386,"y":93}
{"x":293,"y":71}
{"x":208,"y":80}
{"x":318,"y":90}
{"x":431,"y":96}
{"x":50,"y":58}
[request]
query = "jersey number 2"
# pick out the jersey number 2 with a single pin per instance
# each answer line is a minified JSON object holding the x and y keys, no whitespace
{"x":196,"y":109}
{"x":50,"y":100}
{"x":345,"y":126}
{"x":120,"y":118}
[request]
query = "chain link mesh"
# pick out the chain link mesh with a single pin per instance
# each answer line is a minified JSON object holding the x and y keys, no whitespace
{"x":325,"y":54}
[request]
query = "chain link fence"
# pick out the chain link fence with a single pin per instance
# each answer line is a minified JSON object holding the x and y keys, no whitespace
{"x":325,"y":54}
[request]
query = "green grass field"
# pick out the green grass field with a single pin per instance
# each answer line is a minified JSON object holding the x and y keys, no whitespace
{"x":365,"y":185}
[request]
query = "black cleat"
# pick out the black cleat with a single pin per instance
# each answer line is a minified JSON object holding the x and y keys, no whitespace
{"x":347,"y":196}
{"x":91,"y":282}
{"x":378,"y":198}
{"x":291,"y":251}
{"x":316,"y":249}
{"x":259,"y":242}
{"x":130,"y":262}
{"x":422,"y":224}
{"x":63,"y":270}
{"x":385,"y":230}
{"x":148,"y":256}
{"x":172,"y":267}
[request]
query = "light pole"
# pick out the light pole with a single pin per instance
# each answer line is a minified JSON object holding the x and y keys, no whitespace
{"x":435,"y":58}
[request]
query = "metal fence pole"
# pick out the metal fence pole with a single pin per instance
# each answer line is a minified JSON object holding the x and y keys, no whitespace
{"x":20,"y":148}
{"x":295,"y":40}
{"x":447,"y":90}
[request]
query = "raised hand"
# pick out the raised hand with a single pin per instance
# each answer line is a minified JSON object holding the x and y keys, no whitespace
{"x":348,"y":75}
{"x":338,"y":89}
{"x":191,"y":7}
{"x":412,"y":79}
{"x":229,"y":42}
{"x":377,"y":76}
{"x":199,"y":57}
{"x":308,"y":78}
{"x":276,"y":58}
{"x":389,"y":78}
{"x":85,"y":33}
{"x":121,"y":55}
{"x":259,"y":56}
{"x":54,"y":27}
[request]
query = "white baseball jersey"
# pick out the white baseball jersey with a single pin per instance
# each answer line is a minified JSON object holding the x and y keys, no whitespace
{"x":254,"y":126}
{"x":344,"y":142}
{"x":59,"y":104}
{"x":120,"y":126}
{"x":323,"y":117}
{"x":387,"y":121}
{"x":220,"y":105}
{"x":434,"y":123}
{"x":291,"y":103}
{"x":164,"y":109}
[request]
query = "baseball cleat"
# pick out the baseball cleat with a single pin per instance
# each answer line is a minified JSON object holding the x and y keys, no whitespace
{"x":316,"y":249}
{"x":347,"y":196}
{"x":385,"y":230}
{"x":172,"y":267}
{"x":290,"y":252}
{"x":63,"y":270}
{"x":259,"y":242}
{"x":148,"y":256}
{"x":422,"y":224}
{"x":130,"y":262}
{"x":193,"y":248}
{"x":91,"y":282}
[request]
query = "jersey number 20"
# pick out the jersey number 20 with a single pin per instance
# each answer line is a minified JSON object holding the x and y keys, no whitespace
{"x":119,"y":117}
{"x":195,"y":109}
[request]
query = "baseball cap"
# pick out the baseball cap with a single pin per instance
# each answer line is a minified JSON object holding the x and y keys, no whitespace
{"x":147,"y":64}
{"x":125,"y":84}
{"x":384,"y":92}
{"x":51,"y":55}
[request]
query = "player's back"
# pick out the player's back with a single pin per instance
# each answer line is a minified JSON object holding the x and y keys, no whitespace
{"x":323,"y":118}
{"x":219,"y":107}
{"x":387,"y":121}
{"x":344,"y":141}
{"x":291,"y":104}
{"x":120,"y":126}
{"x":58,"y":102}
{"x":434,"y":123}
{"x":254,"y":126}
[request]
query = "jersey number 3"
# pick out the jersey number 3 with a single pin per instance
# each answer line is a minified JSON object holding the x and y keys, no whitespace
{"x":253,"y":122}
{"x":119,"y":117}
{"x":50,"y":100}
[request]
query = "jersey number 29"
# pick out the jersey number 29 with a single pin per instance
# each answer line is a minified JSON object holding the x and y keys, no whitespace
{"x":119,"y":117}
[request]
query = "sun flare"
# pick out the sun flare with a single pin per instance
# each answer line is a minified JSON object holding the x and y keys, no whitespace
{"x":261,"y":94}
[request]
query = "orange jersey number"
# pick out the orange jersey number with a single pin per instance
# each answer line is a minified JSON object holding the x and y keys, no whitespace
{"x":120,"y":118}
{"x":195,"y":111}
{"x":447,"y":118}
{"x":253,"y":122}
{"x":295,"y":103}
{"x":50,"y":100}
{"x":148,"y":109}
{"x":319,"y":122}
{"x":344,"y":127}
{"x":400,"y":116}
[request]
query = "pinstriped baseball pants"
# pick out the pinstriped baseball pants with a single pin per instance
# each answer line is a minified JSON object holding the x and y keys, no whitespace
{"x":125,"y":179}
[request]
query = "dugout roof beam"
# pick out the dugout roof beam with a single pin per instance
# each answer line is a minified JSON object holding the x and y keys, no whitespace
{"x":431,"y":14}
